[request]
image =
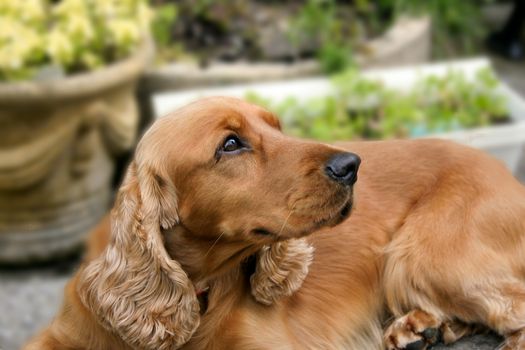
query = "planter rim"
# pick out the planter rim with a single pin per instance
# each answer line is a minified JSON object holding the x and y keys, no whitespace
{"x":78,"y":85}
{"x":398,"y":78}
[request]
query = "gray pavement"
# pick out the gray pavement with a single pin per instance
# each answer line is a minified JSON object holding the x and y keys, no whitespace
{"x":28,"y":300}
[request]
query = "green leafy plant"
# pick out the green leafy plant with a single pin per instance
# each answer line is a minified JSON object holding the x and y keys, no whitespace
{"x":330,"y":30}
{"x":362,"y":108}
{"x":162,"y":27}
{"x":165,"y":16}
{"x":317,"y":21}
{"x":71,"y":35}
{"x":200,"y":29}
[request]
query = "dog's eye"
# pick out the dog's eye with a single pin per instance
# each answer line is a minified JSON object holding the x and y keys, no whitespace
{"x":231,"y":144}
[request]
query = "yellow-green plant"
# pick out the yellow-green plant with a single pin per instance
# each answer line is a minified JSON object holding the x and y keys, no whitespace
{"x":71,"y":35}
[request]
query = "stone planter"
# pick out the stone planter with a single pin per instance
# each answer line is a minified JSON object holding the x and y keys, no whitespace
{"x":58,"y":141}
{"x":407,"y":42}
{"x":503,"y":141}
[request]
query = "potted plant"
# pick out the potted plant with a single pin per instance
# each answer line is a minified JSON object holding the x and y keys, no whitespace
{"x":206,"y":43}
{"x":461,"y":100}
{"x":68,"y":71}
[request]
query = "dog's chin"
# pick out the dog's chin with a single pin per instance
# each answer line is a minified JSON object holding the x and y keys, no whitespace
{"x":334,"y":217}
{"x":344,"y":213}
{"x":337,"y":216}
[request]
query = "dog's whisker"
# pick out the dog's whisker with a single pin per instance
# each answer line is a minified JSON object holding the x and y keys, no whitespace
{"x":213,"y":245}
{"x":286,"y":221}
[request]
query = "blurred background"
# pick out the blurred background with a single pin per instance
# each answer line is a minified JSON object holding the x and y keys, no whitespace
{"x":80,"y":80}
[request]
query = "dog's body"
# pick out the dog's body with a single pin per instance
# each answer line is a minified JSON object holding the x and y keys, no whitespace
{"x":436,"y":239}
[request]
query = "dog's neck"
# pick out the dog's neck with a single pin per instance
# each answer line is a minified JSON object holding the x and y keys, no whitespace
{"x":205,"y":260}
{"x":217,"y":267}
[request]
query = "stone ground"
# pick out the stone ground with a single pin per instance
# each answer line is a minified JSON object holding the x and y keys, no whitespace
{"x":30,"y":297}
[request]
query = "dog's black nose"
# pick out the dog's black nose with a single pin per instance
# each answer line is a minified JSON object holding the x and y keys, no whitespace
{"x":343,"y":168}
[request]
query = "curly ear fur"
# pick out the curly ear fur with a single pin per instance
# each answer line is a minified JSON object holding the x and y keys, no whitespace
{"x":135,"y":289}
{"x":280,"y":269}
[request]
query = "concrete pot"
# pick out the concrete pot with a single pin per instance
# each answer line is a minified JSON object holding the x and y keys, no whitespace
{"x":58,"y":141}
{"x":503,"y":141}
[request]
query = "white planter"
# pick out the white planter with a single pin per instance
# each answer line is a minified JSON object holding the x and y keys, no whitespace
{"x":503,"y":141}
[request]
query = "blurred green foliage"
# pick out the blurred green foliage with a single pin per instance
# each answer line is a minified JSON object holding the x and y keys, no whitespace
{"x":327,"y":29}
{"x":317,"y":21}
{"x":363,"y":108}
{"x":331,"y":30}
{"x":165,"y":16}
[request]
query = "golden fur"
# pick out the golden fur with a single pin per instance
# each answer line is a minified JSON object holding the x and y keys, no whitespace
{"x":435,"y":243}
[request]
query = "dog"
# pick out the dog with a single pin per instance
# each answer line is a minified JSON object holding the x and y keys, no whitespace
{"x":228,"y":234}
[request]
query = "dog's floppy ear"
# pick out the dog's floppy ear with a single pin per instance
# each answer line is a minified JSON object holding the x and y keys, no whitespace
{"x":134,"y":288}
{"x":280,"y":269}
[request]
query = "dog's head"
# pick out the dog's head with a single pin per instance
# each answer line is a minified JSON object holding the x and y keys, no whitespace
{"x":238,"y":175}
{"x":219,"y":168}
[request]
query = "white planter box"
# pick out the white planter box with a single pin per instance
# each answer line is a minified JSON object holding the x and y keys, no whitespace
{"x":503,"y":141}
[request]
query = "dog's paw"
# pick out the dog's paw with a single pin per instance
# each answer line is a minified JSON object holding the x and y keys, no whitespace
{"x":417,"y":330}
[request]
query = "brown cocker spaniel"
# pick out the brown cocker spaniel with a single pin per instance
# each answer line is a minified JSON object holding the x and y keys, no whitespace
{"x":227,"y":234}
